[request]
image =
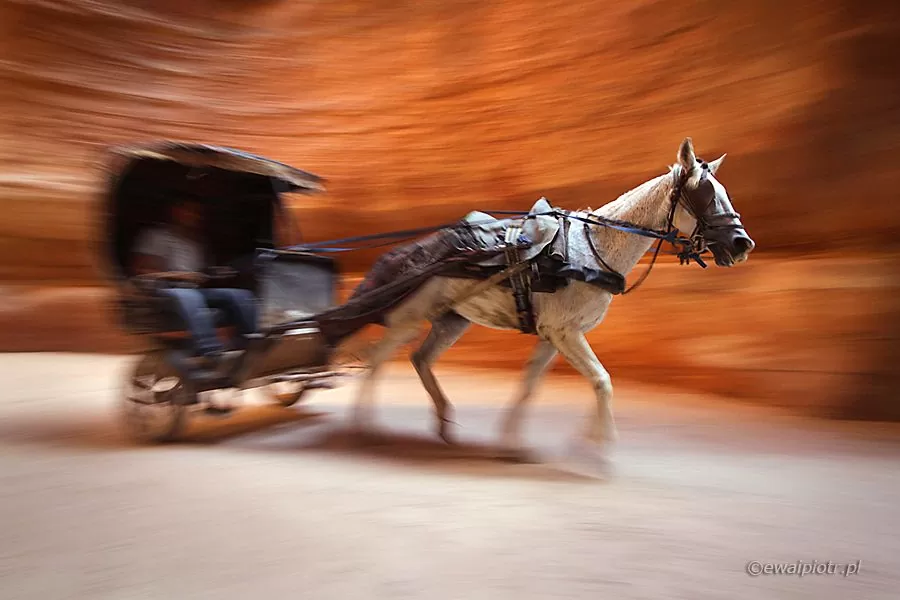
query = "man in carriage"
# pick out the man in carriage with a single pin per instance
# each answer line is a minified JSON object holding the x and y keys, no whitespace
{"x":178,"y":247}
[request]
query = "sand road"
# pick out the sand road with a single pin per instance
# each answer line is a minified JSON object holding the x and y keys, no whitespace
{"x":276,"y":503}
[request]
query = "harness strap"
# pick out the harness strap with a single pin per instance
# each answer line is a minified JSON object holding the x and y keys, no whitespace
{"x":476,"y":289}
{"x":519,"y":281}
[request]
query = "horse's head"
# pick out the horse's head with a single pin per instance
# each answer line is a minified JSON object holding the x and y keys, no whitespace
{"x":704,"y":211}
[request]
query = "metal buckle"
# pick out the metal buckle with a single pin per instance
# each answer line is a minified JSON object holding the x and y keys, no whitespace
{"x":698,"y":243}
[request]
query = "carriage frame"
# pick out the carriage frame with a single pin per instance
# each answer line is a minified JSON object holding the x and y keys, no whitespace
{"x":244,"y":197}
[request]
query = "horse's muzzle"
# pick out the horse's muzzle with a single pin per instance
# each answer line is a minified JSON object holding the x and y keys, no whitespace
{"x":731,"y":246}
{"x":742,"y":246}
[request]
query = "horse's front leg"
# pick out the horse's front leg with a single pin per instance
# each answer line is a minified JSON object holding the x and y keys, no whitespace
{"x":601,"y":428}
{"x":541,"y":358}
{"x":445,"y":331}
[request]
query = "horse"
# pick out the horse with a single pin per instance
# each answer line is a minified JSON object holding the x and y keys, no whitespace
{"x":688,"y":198}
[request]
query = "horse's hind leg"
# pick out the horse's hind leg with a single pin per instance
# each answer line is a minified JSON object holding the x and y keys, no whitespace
{"x":541,"y":358}
{"x":394,"y":337}
{"x":445,"y":331}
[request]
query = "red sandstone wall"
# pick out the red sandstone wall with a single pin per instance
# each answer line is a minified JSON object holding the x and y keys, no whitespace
{"x":444,"y":107}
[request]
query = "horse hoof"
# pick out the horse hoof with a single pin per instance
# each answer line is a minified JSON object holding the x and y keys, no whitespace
{"x":445,"y":432}
{"x":588,"y":460}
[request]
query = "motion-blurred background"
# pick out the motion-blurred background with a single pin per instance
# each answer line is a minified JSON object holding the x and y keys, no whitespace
{"x":420,"y":111}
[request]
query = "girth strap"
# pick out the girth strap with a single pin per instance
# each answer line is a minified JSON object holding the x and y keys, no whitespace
{"x":519,"y":281}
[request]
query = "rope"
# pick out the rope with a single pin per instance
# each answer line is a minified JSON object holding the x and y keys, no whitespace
{"x":687,"y":254}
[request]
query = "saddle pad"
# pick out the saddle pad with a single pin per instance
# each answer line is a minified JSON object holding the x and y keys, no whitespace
{"x":561,"y":252}
{"x":539,"y":231}
{"x":576,"y":261}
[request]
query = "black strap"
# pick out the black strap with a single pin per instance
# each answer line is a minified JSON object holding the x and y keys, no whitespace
{"x":520,"y":282}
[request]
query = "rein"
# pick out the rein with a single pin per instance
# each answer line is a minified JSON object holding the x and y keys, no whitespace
{"x":393,"y":236}
{"x":691,"y":246}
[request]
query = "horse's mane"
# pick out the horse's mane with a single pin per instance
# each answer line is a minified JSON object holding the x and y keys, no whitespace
{"x":625,"y":200}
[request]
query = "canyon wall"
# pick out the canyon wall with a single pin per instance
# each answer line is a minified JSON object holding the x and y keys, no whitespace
{"x":419,"y":111}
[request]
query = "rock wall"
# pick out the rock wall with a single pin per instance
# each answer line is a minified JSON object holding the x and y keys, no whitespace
{"x":420,"y":111}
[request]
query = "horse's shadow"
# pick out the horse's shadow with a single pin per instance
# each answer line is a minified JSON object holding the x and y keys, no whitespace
{"x":302,"y":430}
{"x":426,"y":452}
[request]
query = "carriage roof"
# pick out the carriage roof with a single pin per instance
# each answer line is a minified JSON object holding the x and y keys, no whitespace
{"x":243,"y":191}
{"x":196,"y":155}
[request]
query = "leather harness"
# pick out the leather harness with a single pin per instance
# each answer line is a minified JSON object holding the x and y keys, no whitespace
{"x":520,"y":281}
{"x":519,"y":259}
{"x":696,"y":202}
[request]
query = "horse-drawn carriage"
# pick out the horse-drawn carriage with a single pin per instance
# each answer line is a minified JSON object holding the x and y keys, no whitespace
{"x":573,"y":261}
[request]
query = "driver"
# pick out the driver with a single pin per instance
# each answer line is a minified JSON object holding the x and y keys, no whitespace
{"x":177,"y":248}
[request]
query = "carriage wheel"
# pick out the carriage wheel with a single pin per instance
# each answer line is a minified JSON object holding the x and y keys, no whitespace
{"x":285,"y":394}
{"x":154,"y":401}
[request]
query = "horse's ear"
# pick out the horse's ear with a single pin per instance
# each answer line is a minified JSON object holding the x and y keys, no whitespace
{"x":686,"y":157}
{"x":714,"y":165}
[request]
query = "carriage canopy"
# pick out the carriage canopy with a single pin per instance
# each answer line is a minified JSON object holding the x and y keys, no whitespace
{"x":241,"y":194}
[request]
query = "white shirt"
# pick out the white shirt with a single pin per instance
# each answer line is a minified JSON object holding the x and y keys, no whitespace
{"x":178,"y":253}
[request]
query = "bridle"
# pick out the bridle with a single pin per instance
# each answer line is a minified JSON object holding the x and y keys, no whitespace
{"x":697,"y":202}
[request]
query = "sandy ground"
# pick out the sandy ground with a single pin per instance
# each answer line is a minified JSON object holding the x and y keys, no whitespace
{"x":276,"y":503}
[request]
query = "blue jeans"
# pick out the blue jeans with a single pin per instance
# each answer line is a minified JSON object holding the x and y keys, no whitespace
{"x":191,"y":306}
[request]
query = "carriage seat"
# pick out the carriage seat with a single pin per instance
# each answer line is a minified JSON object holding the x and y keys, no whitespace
{"x":539,"y":230}
{"x":148,"y":315}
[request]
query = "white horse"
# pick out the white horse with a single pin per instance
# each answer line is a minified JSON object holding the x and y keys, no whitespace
{"x":688,"y":198}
